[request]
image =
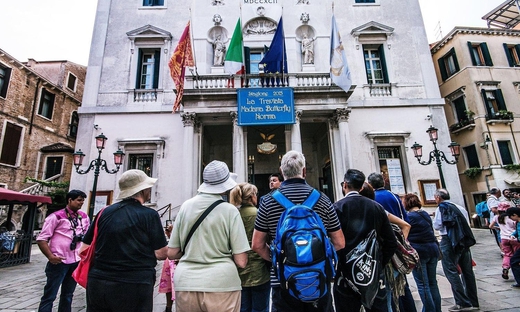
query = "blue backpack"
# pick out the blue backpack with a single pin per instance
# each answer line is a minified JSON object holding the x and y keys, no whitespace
{"x":303,"y":257}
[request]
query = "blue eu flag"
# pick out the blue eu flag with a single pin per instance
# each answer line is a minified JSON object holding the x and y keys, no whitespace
{"x":275,"y":60}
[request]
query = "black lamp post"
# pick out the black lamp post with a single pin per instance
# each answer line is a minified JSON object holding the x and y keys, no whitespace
{"x":437,"y":154}
{"x":97,"y":164}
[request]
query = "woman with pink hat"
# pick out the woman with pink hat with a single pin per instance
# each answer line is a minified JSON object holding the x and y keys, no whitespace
{"x":507,"y":227}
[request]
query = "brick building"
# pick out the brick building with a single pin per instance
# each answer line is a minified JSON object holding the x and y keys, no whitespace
{"x":38,"y":119}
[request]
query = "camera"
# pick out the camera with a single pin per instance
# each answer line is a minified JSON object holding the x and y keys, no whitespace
{"x":75,"y":240}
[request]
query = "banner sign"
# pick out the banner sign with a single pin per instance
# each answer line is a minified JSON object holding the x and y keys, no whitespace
{"x":265,"y":106}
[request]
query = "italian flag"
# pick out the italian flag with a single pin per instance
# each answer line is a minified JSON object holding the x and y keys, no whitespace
{"x":234,"y":61}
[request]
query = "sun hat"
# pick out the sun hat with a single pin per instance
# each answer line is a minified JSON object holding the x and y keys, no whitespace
{"x":132,"y":182}
{"x":217,"y":179}
{"x":502,"y":206}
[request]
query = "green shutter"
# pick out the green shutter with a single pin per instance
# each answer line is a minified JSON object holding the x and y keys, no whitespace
{"x":247,"y":59}
{"x":139,"y":66}
{"x":508,"y":55}
{"x":383,"y":63}
{"x":442,"y":69}
{"x":486,"y":104}
{"x":473,"y":60}
{"x":485,"y":53}
{"x":500,"y":100}
{"x":7,"y":76}
{"x":517,"y":49}
{"x":457,"y":68}
{"x":157,"y":62}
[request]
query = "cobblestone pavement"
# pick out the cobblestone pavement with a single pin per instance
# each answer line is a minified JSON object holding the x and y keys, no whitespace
{"x":22,"y":286}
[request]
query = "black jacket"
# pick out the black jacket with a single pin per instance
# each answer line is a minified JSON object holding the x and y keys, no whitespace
{"x":459,"y":232}
{"x":359,"y":215}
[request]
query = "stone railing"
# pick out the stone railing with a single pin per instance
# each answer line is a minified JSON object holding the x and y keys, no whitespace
{"x":39,"y":189}
{"x":382,"y":89}
{"x":258,"y":81}
{"x":145,"y":95}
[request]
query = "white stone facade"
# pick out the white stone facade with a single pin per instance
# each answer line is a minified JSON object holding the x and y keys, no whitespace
{"x":334,"y":129}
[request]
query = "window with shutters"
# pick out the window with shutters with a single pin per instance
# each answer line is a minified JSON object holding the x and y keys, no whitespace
{"x":504,"y":148}
{"x":46,"y":104}
{"x":11,"y":144}
{"x":148,"y":69}
{"x":390,"y":164}
{"x":448,"y":64}
{"x":375,"y":64}
{"x":252,"y":58}
{"x":5,"y":75}
{"x":471,"y":156}
{"x":494,"y":103}
{"x":479,"y":54}
{"x":512,"y":54}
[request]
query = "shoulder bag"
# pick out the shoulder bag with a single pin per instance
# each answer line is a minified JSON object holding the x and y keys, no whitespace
{"x":80,"y":274}
{"x":199,"y":221}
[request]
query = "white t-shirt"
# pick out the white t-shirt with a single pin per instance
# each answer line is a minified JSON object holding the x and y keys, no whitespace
{"x":505,"y":229}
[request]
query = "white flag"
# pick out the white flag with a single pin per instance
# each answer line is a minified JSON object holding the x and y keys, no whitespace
{"x":339,"y":71}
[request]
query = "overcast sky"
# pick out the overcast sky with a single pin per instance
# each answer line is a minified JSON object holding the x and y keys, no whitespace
{"x":62,"y":29}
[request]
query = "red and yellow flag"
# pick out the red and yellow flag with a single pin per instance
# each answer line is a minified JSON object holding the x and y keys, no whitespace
{"x":182,"y":57}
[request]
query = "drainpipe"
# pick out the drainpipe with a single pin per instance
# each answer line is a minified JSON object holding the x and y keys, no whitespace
{"x":34,"y":104}
{"x":514,"y":139}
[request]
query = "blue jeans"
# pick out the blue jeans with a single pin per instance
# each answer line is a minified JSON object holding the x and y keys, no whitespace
{"x":58,"y":275}
{"x":464,"y":287}
{"x":426,"y":279}
{"x":255,"y":298}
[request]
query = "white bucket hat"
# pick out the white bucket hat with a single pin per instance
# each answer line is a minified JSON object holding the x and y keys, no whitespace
{"x":217,"y":179}
{"x":132,"y":182}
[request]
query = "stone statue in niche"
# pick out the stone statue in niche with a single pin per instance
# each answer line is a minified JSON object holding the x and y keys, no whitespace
{"x":219,"y":51}
{"x":308,"y":49}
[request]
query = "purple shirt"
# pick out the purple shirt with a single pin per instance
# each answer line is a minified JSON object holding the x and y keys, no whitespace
{"x":58,"y":232}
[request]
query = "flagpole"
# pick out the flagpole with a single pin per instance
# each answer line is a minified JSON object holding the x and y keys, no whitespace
{"x":193,"y":50}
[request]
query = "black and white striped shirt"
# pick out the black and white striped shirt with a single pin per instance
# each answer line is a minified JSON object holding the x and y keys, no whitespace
{"x":297,"y":191}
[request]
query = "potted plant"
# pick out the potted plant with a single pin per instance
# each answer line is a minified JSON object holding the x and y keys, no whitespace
{"x":473,"y":172}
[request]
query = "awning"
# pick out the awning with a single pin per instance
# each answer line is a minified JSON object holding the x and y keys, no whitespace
{"x":512,"y":181}
{"x":20,"y":198}
{"x":503,"y":16}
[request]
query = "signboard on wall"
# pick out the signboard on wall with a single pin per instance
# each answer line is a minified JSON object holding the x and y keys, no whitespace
{"x":395,"y":175}
{"x":265,"y":106}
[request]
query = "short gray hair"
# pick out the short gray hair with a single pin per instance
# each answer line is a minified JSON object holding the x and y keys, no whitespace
{"x":443,"y":193}
{"x":292,"y":165}
{"x":376,"y":180}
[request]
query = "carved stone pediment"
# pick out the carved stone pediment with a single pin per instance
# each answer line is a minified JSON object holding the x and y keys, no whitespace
{"x":57,"y":147}
{"x":372,"y":28}
{"x":260,"y":26}
{"x":149,"y":32}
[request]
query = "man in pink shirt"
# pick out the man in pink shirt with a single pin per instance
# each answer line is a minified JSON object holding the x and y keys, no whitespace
{"x":59,"y":241}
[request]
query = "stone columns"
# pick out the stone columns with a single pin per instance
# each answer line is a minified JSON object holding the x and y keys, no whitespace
{"x":239,"y":149}
{"x":189,"y":119}
{"x":343,"y":156}
{"x":296,"y":138}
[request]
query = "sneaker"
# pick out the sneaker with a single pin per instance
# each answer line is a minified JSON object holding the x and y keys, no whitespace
{"x":505,"y":274}
{"x":457,"y":307}
{"x":515,"y":285}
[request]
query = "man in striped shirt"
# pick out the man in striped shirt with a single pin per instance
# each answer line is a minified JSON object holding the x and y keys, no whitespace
{"x":296,"y":189}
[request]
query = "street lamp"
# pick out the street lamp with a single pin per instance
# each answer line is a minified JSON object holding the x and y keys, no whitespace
{"x":97,"y":164}
{"x":437,"y":154}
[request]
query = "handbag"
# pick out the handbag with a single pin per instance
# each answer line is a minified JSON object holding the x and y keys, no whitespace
{"x":80,"y":274}
{"x":405,"y":258}
{"x":360,"y":269}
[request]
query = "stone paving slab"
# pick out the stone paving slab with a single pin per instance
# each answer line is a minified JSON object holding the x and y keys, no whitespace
{"x":22,"y":286}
